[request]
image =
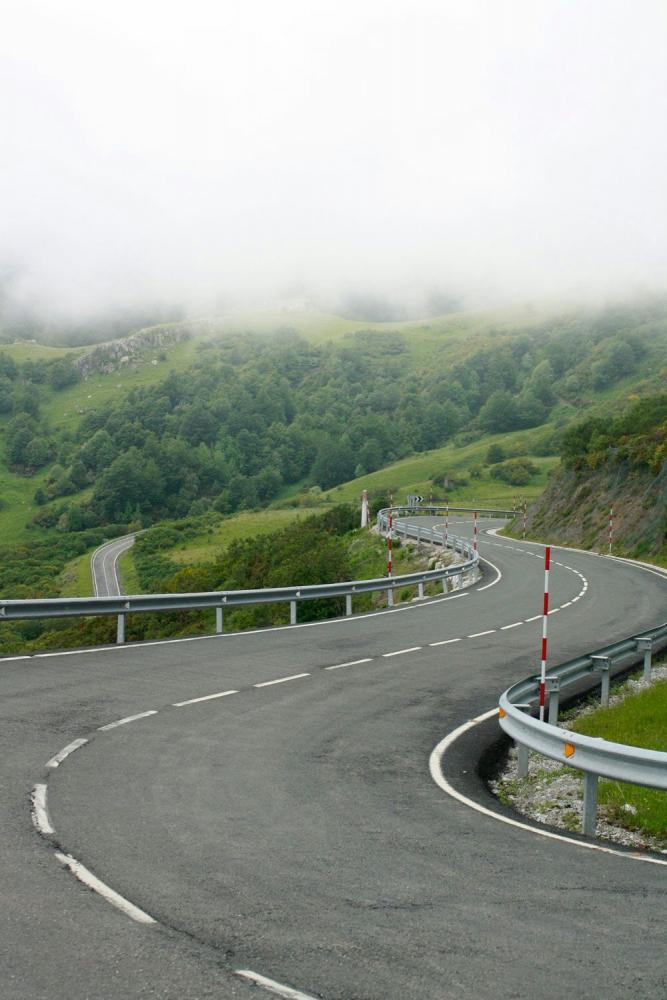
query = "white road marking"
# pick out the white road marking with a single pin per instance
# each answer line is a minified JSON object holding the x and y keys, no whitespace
{"x":39,"y":811}
{"x":476,"y":635}
{"x":397,"y":652}
{"x":503,"y":628}
{"x":205,"y":697}
{"x":351,"y":663}
{"x":435,"y":767}
{"x":534,"y":618}
{"x":87,"y":877}
{"x":8,"y":659}
{"x":129,"y":718}
{"x":280,"y":680}
{"x":278,"y":989}
{"x":566,"y":605}
{"x":65,"y":752}
{"x":443,"y":642}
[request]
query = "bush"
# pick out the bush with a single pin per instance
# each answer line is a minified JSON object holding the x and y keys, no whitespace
{"x":515,"y":471}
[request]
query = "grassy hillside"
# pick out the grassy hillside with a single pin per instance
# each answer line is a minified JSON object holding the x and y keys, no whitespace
{"x":290,"y":410}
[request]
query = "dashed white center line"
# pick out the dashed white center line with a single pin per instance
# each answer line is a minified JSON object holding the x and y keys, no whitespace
{"x":40,"y":813}
{"x":534,"y":618}
{"x":87,"y":877}
{"x":503,"y":628}
{"x":280,"y":680}
{"x":65,"y":752}
{"x":397,"y":652}
{"x":129,"y":718}
{"x":206,"y":697}
{"x":443,"y":642}
{"x":278,"y":989}
{"x":351,"y":663}
{"x":476,"y":635}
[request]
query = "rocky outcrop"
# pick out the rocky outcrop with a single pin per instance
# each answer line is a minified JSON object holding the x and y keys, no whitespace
{"x":116,"y":354}
{"x":574,"y":510}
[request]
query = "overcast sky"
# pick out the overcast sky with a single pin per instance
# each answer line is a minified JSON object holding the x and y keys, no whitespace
{"x":196,"y":149}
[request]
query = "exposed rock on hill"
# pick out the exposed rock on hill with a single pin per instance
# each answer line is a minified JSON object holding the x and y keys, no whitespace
{"x":574,"y":509}
{"x":115,"y":354}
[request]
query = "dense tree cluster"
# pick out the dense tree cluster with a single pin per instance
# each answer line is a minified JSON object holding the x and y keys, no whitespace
{"x":637,"y":436}
{"x":258,"y":413}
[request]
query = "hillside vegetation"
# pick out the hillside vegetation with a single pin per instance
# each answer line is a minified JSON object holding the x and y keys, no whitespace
{"x":618,"y":463}
{"x":229,"y":416}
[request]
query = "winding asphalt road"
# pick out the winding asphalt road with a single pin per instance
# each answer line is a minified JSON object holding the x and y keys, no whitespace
{"x":104,"y":566}
{"x":275,"y":812}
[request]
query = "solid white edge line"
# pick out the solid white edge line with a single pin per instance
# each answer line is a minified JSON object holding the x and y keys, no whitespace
{"x":503,"y":628}
{"x":435,"y":767}
{"x":40,"y":812}
{"x":476,"y":635}
{"x":205,"y":697}
{"x":397,"y":652}
{"x":87,"y":877}
{"x":278,"y":989}
{"x":280,"y":680}
{"x":443,"y":642}
{"x":65,"y":752}
{"x":128,"y":718}
{"x":351,"y":663}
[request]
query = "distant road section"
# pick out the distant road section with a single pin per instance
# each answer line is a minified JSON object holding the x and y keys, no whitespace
{"x":104,"y":566}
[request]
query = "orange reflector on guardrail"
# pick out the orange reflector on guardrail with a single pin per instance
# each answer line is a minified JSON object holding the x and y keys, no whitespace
{"x":501,"y":713}
{"x":568,"y":749}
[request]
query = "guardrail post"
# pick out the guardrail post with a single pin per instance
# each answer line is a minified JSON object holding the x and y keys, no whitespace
{"x":292,"y":612}
{"x":589,"y":820}
{"x":348,"y":604}
{"x":120,"y":629}
{"x":390,"y":597}
{"x":521,"y":761}
{"x":420,"y":591}
{"x":601,"y":664}
{"x":645,"y":644}
{"x":219,"y":621}
{"x":553,"y":690}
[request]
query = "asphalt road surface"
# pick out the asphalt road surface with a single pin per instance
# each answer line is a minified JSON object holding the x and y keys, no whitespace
{"x":104,"y":566}
{"x":293,"y":828}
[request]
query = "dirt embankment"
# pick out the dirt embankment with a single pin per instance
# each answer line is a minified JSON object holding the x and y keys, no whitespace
{"x":574,"y":510}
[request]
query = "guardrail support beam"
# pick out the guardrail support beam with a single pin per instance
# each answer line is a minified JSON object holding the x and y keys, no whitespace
{"x":219,"y":621}
{"x":645,"y":644}
{"x":602,"y":664}
{"x":120,"y":629}
{"x":521,"y":761}
{"x":292,"y":612}
{"x":553,"y":690}
{"x":390,"y":598}
{"x":590,"y":815}
{"x":348,"y":604}
{"x":420,"y":591}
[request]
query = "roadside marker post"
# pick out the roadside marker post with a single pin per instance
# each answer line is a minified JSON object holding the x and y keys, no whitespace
{"x":545,"y":619}
{"x":446,"y":523}
{"x":390,"y":566}
{"x":524,"y":519}
{"x":611,"y":527}
{"x":474,"y":532}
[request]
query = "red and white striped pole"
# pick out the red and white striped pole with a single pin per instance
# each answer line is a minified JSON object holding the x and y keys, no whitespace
{"x":545,"y":618}
{"x":390,"y":565}
{"x":524,"y":519}
{"x":611,"y":527}
{"x":474,"y":532}
{"x":446,"y":522}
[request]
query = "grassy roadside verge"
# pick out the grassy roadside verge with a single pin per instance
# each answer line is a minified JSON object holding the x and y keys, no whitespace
{"x":553,"y":793}
{"x":637,"y":720}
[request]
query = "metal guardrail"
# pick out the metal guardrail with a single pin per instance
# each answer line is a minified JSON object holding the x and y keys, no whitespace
{"x":141,"y":603}
{"x":594,"y":756}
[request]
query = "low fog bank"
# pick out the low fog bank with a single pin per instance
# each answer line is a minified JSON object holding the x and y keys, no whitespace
{"x":376,"y":158}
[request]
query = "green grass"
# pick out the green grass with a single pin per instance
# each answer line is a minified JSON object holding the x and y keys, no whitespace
{"x":639,"y":720}
{"x":415,"y":474}
{"x":75,"y":580}
{"x":127,"y":573}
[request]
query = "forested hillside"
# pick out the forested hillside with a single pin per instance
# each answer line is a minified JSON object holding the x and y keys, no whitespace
{"x":255,"y":414}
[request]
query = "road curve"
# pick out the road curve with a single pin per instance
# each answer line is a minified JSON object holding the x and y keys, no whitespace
{"x":104,"y":566}
{"x":292,"y":827}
